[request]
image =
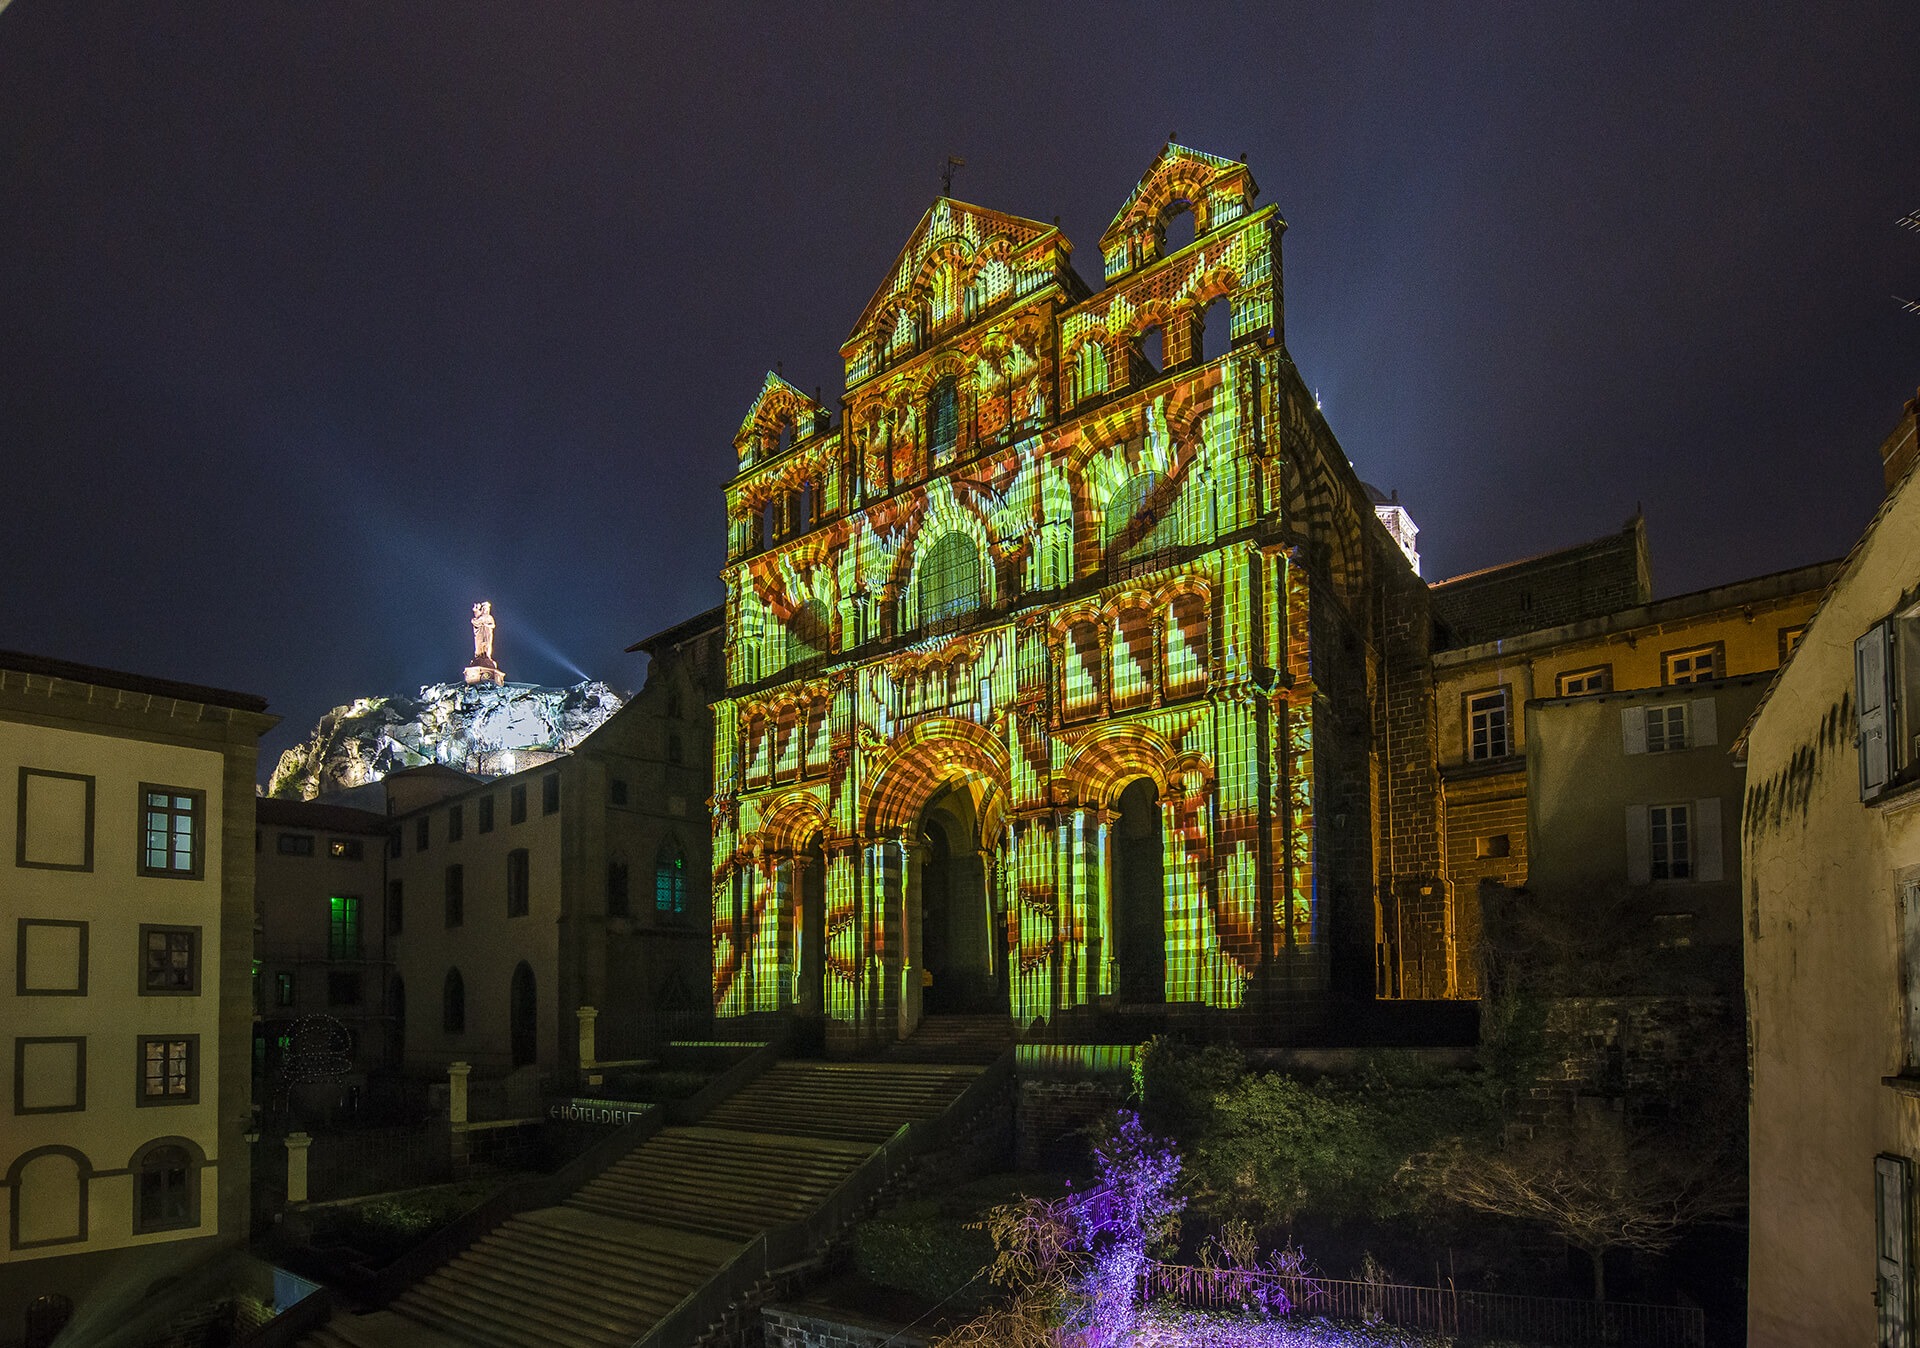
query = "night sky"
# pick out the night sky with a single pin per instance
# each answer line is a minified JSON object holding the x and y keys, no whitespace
{"x":320,"y":321}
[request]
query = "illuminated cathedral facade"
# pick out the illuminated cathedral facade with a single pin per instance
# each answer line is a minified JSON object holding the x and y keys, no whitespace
{"x":1068,"y":667}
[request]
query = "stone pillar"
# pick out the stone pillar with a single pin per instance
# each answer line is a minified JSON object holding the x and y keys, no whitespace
{"x":589,"y":1049}
{"x":457,"y":1073}
{"x":910,"y":893}
{"x":297,"y":1144}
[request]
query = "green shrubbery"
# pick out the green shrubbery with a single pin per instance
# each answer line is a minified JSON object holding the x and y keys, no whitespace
{"x":932,"y":1247}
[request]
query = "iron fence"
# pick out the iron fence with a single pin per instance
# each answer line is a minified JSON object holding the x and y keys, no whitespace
{"x":1472,"y":1317}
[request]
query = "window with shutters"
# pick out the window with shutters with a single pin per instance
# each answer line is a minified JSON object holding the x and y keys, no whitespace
{"x":1893,"y":1237}
{"x":1886,"y":671}
{"x":1675,"y":842}
{"x":1665,"y":727}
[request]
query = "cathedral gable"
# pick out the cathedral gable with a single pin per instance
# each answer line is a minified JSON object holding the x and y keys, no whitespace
{"x":960,"y":261}
{"x":779,"y":410}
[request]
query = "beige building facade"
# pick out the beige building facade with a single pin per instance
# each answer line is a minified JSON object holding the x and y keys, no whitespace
{"x":1832,"y":857}
{"x":126,"y":830}
{"x":1491,"y":691}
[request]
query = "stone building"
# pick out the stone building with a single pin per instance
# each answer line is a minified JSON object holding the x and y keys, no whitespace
{"x":1831,"y":839}
{"x":127,"y":825}
{"x":320,"y":941}
{"x":1060,"y":660}
{"x":1573,"y":639}
{"x":517,"y":907}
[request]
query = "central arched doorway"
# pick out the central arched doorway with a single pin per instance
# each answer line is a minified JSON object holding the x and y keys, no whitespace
{"x":524,"y":1017}
{"x":963,"y":968}
{"x":1139,"y":897}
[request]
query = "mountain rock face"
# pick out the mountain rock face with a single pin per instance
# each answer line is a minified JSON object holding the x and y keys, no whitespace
{"x":476,"y":728}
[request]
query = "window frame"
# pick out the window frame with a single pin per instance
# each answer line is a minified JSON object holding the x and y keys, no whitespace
{"x":1604,"y":673}
{"x":20,"y":1043}
{"x":937,"y":588}
{"x":456,"y":823}
{"x":143,"y":975}
{"x":20,"y":832}
{"x":142,"y":1099}
{"x":670,"y":880}
{"x":190,"y":1187}
{"x":550,"y":793}
{"x":1504,"y":693}
{"x":519,"y":882}
{"x":483,"y":810}
{"x":455,"y":895}
{"x":21,"y":925}
{"x":517,"y":804}
{"x":1655,"y":862}
{"x":197,"y":831}
{"x":1716,"y":649}
{"x":293,"y":844}
{"x":1667,"y":740}
{"x":286,"y":992}
{"x":336,"y":949}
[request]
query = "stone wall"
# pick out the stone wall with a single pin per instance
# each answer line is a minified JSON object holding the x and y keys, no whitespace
{"x":1051,"y":1118}
{"x":1650,"y":1059}
{"x":806,"y":1326}
{"x":1587,"y":581}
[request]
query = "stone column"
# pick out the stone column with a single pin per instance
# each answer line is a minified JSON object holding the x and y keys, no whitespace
{"x":588,"y":1017}
{"x":297,"y":1144}
{"x":910,"y":893}
{"x":457,"y":1073}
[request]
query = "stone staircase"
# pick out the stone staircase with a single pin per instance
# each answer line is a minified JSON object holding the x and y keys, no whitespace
{"x":612,"y":1259}
{"x":955,"y":1038}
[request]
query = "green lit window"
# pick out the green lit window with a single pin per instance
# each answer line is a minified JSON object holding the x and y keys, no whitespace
{"x":343,"y":928}
{"x":670,"y":880}
{"x":283,"y":989}
{"x":172,"y":829}
{"x":949,"y":579}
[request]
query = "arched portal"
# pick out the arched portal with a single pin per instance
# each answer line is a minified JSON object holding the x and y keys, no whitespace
{"x":810,"y":901}
{"x":524,"y":1016}
{"x":1139,"y":897}
{"x":963,"y":968}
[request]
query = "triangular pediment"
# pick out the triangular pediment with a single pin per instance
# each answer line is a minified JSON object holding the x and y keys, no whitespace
{"x":1217,"y":190}
{"x":966,"y":233}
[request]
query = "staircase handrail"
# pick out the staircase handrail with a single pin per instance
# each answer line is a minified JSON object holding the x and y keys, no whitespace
{"x":782,"y":1246}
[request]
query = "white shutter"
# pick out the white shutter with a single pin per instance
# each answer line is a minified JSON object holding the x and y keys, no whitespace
{"x":1701,"y":728}
{"x":1639,"y":846}
{"x":1633,"y":729}
{"x":1870,"y":696}
{"x":1706,"y":839}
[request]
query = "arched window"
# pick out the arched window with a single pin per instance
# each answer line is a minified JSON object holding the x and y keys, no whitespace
{"x":943,"y":417}
{"x":49,"y":1196}
{"x":166,"y":1195}
{"x":1125,"y":507}
{"x":670,"y":880}
{"x":46,"y":1316}
{"x":453,"y":1004}
{"x":807,"y":635}
{"x":1178,"y":226}
{"x":949,"y":579}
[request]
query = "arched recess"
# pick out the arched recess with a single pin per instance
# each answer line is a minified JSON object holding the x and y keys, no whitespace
{"x":947,"y":580}
{"x":1139,"y":895}
{"x":49,"y":1186}
{"x":523,"y":1016}
{"x":964,"y":967}
{"x":1113,"y":756}
{"x":166,"y":1184}
{"x":928,"y":756}
{"x":807,"y":635}
{"x":46,"y":1316}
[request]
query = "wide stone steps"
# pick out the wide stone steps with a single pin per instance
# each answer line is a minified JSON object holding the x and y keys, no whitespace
{"x":865,"y":1102}
{"x":955,"y":1038}
{"x":619,"y":1254}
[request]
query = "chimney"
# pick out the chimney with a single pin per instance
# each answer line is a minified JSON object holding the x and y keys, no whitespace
{"x":1898,"y":449}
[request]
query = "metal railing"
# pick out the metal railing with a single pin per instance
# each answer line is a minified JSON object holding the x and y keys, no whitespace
{"x":1469,"y":1316}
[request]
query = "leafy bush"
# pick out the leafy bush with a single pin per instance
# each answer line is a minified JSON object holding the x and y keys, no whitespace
{"x":919,"y":1248}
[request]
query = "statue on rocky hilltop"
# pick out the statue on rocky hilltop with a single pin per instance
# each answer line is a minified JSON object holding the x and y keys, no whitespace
{"x":484,"y":669}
